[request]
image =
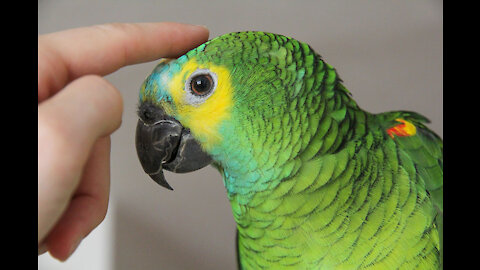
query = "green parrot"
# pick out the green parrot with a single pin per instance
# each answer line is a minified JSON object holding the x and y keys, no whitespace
{"x":314,"y":181}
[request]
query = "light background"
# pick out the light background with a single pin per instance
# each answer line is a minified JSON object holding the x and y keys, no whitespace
{"x":389,"y":54}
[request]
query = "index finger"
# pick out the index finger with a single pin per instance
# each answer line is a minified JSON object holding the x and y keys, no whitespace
{"x":102,"y":49}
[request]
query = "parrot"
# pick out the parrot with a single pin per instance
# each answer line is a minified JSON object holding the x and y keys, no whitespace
{"x":313,"y":180}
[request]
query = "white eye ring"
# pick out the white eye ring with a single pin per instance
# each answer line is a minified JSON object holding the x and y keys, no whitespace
{"x":197,"y":97}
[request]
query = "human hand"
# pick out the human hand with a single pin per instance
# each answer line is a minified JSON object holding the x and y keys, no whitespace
{"x":77,"y":112}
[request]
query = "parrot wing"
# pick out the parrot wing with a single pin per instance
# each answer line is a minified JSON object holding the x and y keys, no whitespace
{"x":425,"y":149}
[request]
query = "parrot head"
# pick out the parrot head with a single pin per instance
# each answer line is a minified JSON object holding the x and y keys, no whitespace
{"x":233,"y":101}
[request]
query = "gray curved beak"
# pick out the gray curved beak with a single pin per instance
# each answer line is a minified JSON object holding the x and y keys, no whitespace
{"x":163,"y":143}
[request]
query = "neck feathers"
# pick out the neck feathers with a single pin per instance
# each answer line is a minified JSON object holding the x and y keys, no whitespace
{"x":317,"y":123}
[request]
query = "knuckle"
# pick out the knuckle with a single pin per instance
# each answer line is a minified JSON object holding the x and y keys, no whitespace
{"x":116,"y":28}
{"x":106,"y":98}
{"x":113,"y":26}
{"x":105,"y":89}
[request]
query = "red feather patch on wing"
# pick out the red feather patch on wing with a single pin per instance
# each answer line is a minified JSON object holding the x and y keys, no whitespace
{"x":404,"y":129}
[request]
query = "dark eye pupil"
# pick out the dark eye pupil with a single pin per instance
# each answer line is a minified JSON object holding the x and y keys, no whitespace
{"x":201,"y":84}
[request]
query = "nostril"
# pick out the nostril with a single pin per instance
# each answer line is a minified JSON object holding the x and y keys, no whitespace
{"x":150,"y":113}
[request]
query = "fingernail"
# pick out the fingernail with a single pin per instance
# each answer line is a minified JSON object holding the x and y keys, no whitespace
{"x":42,"y":249}
{"x":74,"y":247}
{"x":203,"y":26}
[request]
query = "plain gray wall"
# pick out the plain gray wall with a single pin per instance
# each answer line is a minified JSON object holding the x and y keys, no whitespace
{"x":389,"y":54}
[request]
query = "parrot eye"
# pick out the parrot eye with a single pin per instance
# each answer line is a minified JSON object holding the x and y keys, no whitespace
{"x":200,"y":85}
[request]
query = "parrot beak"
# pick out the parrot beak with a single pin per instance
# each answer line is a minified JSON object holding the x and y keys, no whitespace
{"x":163,"y":143}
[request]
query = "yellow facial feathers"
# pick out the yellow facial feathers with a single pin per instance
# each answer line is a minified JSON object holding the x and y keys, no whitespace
{"x":203,"y":119}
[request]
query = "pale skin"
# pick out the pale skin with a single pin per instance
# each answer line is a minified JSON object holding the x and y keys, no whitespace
{"x":78,"y":110}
